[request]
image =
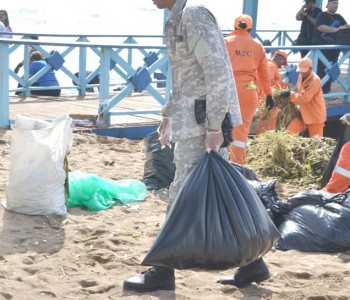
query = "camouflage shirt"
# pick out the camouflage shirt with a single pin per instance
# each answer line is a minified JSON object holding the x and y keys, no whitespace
{"x":200,"y":69}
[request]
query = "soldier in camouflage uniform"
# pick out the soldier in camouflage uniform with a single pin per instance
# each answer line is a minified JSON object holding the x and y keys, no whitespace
{"x":200,"y":70}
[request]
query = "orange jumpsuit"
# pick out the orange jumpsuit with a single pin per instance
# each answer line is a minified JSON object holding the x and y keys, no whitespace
{"x":248,"y":60}
{"x":312,"y":106}
{"x":276,"y":82}
{"x":340,"y":179}
{"x":275,"y":76}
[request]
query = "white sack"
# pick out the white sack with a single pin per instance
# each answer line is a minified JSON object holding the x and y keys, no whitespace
{"x":37,"y":176}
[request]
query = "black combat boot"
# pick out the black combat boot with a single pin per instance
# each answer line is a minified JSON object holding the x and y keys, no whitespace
{"x":154,"y":279}
{"x":256,"y":271}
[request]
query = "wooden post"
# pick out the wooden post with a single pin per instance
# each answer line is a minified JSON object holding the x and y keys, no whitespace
{"x":82,"y":67}
{"x":104,"y":86}
{"x":4,"y":85}
{"x":250,"y":7}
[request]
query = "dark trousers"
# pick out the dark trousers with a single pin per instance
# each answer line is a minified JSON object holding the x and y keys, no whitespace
{"x":53,"y":92}
{"x":332,"y":56}
{"x":303,"y":41}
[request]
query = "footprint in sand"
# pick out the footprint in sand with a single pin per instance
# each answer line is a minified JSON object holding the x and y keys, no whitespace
{"x":6,"y":296}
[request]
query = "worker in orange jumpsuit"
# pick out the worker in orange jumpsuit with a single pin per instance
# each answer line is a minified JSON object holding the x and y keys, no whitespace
{"x":340,"y":179}
{"x":309,"y":97}
{"x":277,"y":62}
{"x":249,"y":62}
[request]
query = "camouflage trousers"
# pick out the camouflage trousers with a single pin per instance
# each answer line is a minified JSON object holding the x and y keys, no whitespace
{"x":187,"y":153}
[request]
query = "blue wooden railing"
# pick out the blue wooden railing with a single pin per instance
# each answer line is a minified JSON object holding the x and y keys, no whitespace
{"x":112,"y":57}
{"x":139,"y":61}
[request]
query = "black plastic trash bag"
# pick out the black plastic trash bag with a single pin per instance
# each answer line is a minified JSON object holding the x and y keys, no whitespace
{"x":246,"y":172}
{"x":275,"y":206}
{"x":216,"y":222}
{"x":159,"y":169}
{"x":312,"y":197}
{"x":319,"y":224}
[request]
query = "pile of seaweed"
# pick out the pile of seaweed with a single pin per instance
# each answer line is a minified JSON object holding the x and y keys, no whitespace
{"x":287,"y":110}
{"x":262,"y":113}
{"x":290,"y":158}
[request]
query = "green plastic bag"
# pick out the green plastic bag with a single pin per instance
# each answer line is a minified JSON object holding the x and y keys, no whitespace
{"x":97,"y":193}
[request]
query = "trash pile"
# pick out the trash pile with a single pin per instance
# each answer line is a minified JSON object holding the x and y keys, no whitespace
{"x":310,"y":221}
{"x":287,"y":110}
{"x":290,"y":158}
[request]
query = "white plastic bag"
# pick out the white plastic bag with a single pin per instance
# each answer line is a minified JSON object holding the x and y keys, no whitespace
{"x":37,"y":176}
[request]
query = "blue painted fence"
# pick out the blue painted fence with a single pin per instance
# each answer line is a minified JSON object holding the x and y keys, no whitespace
{"x":139,"y":61}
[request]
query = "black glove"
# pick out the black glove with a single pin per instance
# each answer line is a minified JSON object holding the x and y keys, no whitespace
{"x":270,"y":103}
{"x":285,"y":94}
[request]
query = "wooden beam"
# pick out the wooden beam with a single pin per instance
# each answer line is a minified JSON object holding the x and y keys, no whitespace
{"x":250,"y":7}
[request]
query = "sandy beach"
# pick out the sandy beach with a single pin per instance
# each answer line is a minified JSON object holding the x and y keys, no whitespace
{"x":88,"y":254}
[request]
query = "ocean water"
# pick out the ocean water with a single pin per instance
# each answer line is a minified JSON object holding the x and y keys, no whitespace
{"x":139,"y":16}
{"x":134,"y":17}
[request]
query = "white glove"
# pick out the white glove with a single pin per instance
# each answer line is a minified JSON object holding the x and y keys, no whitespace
{"x":164,"y":131}
{"x":345,"y":119}
{"x":213,"y":140}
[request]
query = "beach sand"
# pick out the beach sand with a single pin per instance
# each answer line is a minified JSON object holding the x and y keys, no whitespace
{"x":89,"y":254}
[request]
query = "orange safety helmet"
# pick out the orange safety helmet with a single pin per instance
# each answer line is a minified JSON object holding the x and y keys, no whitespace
{"x":305,"y":64}
{"x":243,"y":22}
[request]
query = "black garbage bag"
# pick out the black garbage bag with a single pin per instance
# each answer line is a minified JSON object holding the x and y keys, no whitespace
{"x":216,"y":222}
{"x":312,"y":197}
{"x":246,"y":172}
{"x":275,"y":206}
{"x":159,"y":169}
{"x":343,"y":139}
{"x":318,"y":224}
